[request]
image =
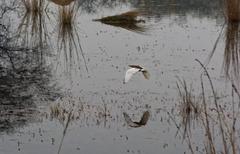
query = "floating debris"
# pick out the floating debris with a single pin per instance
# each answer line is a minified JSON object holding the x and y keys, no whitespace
{"x":134,"y":69}
{"x":127,"y":20}
{"x":128,"y":17}
{"x":141,"y":123}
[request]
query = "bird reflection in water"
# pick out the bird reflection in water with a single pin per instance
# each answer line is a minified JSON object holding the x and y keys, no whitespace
{"x":142,"y":122}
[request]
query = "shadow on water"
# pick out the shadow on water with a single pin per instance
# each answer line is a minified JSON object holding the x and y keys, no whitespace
{"x":24,"y":81}
{"x":69,"y":45}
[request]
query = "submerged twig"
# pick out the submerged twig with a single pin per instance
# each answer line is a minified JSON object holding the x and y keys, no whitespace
{"x":208,"y":131}
{"x":65,"y":130}
{"x":215,"y":44}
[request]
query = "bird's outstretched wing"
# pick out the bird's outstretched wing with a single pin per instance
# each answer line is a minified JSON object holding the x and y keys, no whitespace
{"x":136,"y":66}
{"x":144,"y":118}
{"x":142,"y":122}
{"x":129,"y":121}
{"x":129,"y":73}
{"x":146,"y":74}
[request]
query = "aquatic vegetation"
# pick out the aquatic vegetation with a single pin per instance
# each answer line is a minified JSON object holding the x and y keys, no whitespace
{"x":190,"y":109}
{"x":219,"y":124}
{"x":80,"y":111}
{"x":231,"y":64}
{"x":211,"y":116}
{"x":69,"y":44}
{"x":32,"y":31}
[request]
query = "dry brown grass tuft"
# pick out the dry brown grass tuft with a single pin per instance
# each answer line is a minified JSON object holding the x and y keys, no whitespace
{"x":232,"y":10}
{"x":67,"y":15}
{"x":231,"y":63}
{"x":190,"y":110}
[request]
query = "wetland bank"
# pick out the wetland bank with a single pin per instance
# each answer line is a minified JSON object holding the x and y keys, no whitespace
{"x":63,"y":63}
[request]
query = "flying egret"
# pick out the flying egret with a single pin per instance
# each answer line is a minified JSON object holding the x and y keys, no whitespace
{"x":134,"y":69}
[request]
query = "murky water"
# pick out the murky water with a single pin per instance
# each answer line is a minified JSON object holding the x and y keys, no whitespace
{"x":62,"y":77}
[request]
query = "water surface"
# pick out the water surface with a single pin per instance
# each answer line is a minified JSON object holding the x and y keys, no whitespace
{"x":78,"y":68}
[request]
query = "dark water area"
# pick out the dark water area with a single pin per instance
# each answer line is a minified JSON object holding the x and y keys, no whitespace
{"x":62,"y":73}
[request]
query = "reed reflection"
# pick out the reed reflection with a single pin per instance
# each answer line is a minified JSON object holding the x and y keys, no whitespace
{"x":69,"y":45}
{"x":32,"y":31}
{"x":24,"y":82}
{"x":231,"y":64}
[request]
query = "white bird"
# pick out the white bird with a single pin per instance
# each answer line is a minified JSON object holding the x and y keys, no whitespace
{"x":134,"y":69}
{"x":142,"y":122}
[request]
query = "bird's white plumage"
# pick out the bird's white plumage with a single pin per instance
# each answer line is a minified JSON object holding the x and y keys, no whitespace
{"x":129,"y":73}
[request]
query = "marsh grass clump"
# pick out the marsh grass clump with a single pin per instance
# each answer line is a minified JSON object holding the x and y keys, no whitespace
{"x":219,"y":124}
{"x":69,"y":45}
{"x":232,"y":10}
{"x":187,"y":100}
{"x":61,"y":111}
{"x":189,"y":110}
{"x":67,"y":15}
{"x":189,"y":106}
{"x":82,"y":112}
